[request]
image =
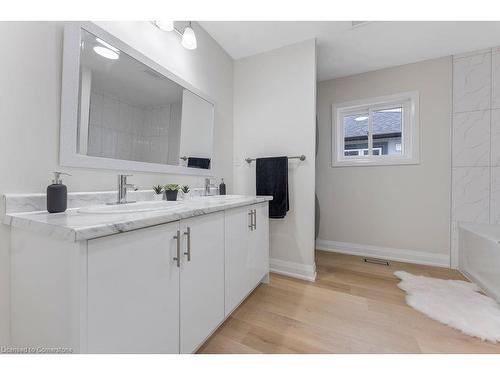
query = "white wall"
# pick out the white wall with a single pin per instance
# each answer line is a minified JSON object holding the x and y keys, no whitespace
{"x":476,"y":141}
{"x":391,"y":211}
{"x":30,"y":94}
{"x":274,"y":115}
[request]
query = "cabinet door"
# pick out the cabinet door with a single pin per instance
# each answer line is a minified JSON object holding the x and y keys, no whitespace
{"x":260,"y":242}
{"x":133,"y":292}
{"x":202,"y":279}
{"x":239,"y":260}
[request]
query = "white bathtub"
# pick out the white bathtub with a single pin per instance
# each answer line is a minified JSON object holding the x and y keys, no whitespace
{"x":479,"y":256}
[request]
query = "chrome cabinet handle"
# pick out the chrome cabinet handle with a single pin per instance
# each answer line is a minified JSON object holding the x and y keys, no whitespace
{"x":188,"y":252}
{"x":178,"y":257}
{"x":251,"y":219}
{"x":255,"y":219}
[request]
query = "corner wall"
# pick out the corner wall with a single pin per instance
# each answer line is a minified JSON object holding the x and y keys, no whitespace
{"x":476,"y":141}
{"x":274,"y":115}
{"x":30,"y":96}
{"x":398,"y":212}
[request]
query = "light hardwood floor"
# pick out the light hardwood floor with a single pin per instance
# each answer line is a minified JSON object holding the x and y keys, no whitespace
{"x":353,"y":307}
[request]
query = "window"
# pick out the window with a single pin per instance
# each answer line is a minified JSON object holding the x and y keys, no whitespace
{"x":376,"y":131}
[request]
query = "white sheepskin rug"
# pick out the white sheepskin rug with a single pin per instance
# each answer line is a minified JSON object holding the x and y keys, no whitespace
{"x":455,"y":303}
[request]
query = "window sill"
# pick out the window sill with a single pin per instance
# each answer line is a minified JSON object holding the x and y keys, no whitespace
{"x":374,"y":163}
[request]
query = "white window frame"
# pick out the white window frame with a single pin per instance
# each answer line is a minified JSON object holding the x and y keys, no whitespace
{"x":362,"y":150}
{"x":410,"y":138}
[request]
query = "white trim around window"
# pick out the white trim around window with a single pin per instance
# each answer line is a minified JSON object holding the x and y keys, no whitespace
{"x":408,"y":151}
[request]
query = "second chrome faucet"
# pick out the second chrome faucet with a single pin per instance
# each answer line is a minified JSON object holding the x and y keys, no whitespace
{"x":123,"y":188}
{"x":208,"y":185}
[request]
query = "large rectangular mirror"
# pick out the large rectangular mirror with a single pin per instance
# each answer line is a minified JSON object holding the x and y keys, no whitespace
{"x":121,"y":110}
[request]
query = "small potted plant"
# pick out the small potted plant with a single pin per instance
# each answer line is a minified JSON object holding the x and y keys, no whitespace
{"x":171,"y":191}
{"x":158,"y":193}
{"x":185,"y":191}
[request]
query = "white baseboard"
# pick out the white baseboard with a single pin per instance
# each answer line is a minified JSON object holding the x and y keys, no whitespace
{"x":398,"y":255}
{"x":292,"y":269}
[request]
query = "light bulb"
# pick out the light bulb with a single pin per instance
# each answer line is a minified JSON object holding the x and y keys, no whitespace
{"x":189,"y":38}
{"x":164,"y":25}
{"x":106,"y":52}
{"x":107,"y":45}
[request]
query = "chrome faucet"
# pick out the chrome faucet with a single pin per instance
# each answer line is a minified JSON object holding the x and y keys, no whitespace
{"x":123,"y":188}
{"x":208,"y":185}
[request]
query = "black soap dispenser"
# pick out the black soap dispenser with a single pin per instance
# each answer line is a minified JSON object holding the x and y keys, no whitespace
{"x":222,"y":187}
{"x":57,"y":194}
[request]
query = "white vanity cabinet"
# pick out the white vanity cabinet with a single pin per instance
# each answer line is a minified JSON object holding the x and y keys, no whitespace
{"x":260,"y":242}
{"x":133,"y":292}
{"x":202,"y":279}
{"x":246,"y":252}
{"x":142,"y":300}
{"x":158,"y":289}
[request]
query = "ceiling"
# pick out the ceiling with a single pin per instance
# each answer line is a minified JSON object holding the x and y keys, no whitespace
{"x":344,"y":50}
{"x":127,"y":78}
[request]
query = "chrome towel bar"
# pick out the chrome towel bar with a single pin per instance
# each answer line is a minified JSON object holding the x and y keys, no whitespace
{"x":301,"y":158}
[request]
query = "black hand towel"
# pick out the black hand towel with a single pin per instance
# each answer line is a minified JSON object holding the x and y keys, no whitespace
{"x":272,"y":179}
{"x":202,"y":163}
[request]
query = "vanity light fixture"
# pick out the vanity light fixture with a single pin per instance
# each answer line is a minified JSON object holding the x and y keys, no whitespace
{"x":188,"y":37}
{"x":106,"y":50}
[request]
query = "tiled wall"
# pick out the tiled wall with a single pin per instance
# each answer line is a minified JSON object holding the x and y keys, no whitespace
{"x":122,"y":131}
{"x":476,"y":141}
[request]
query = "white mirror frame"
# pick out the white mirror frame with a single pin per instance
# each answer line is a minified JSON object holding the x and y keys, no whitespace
{"x":68,"y":153}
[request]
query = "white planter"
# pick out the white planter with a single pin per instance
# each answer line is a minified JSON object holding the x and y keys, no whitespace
{"x":157,"y":197}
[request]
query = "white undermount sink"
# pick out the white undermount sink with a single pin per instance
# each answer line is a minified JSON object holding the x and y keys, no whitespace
{"x":131,"y":207}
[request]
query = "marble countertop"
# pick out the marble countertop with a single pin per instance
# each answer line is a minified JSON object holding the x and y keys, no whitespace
{"x":73,"y":225}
